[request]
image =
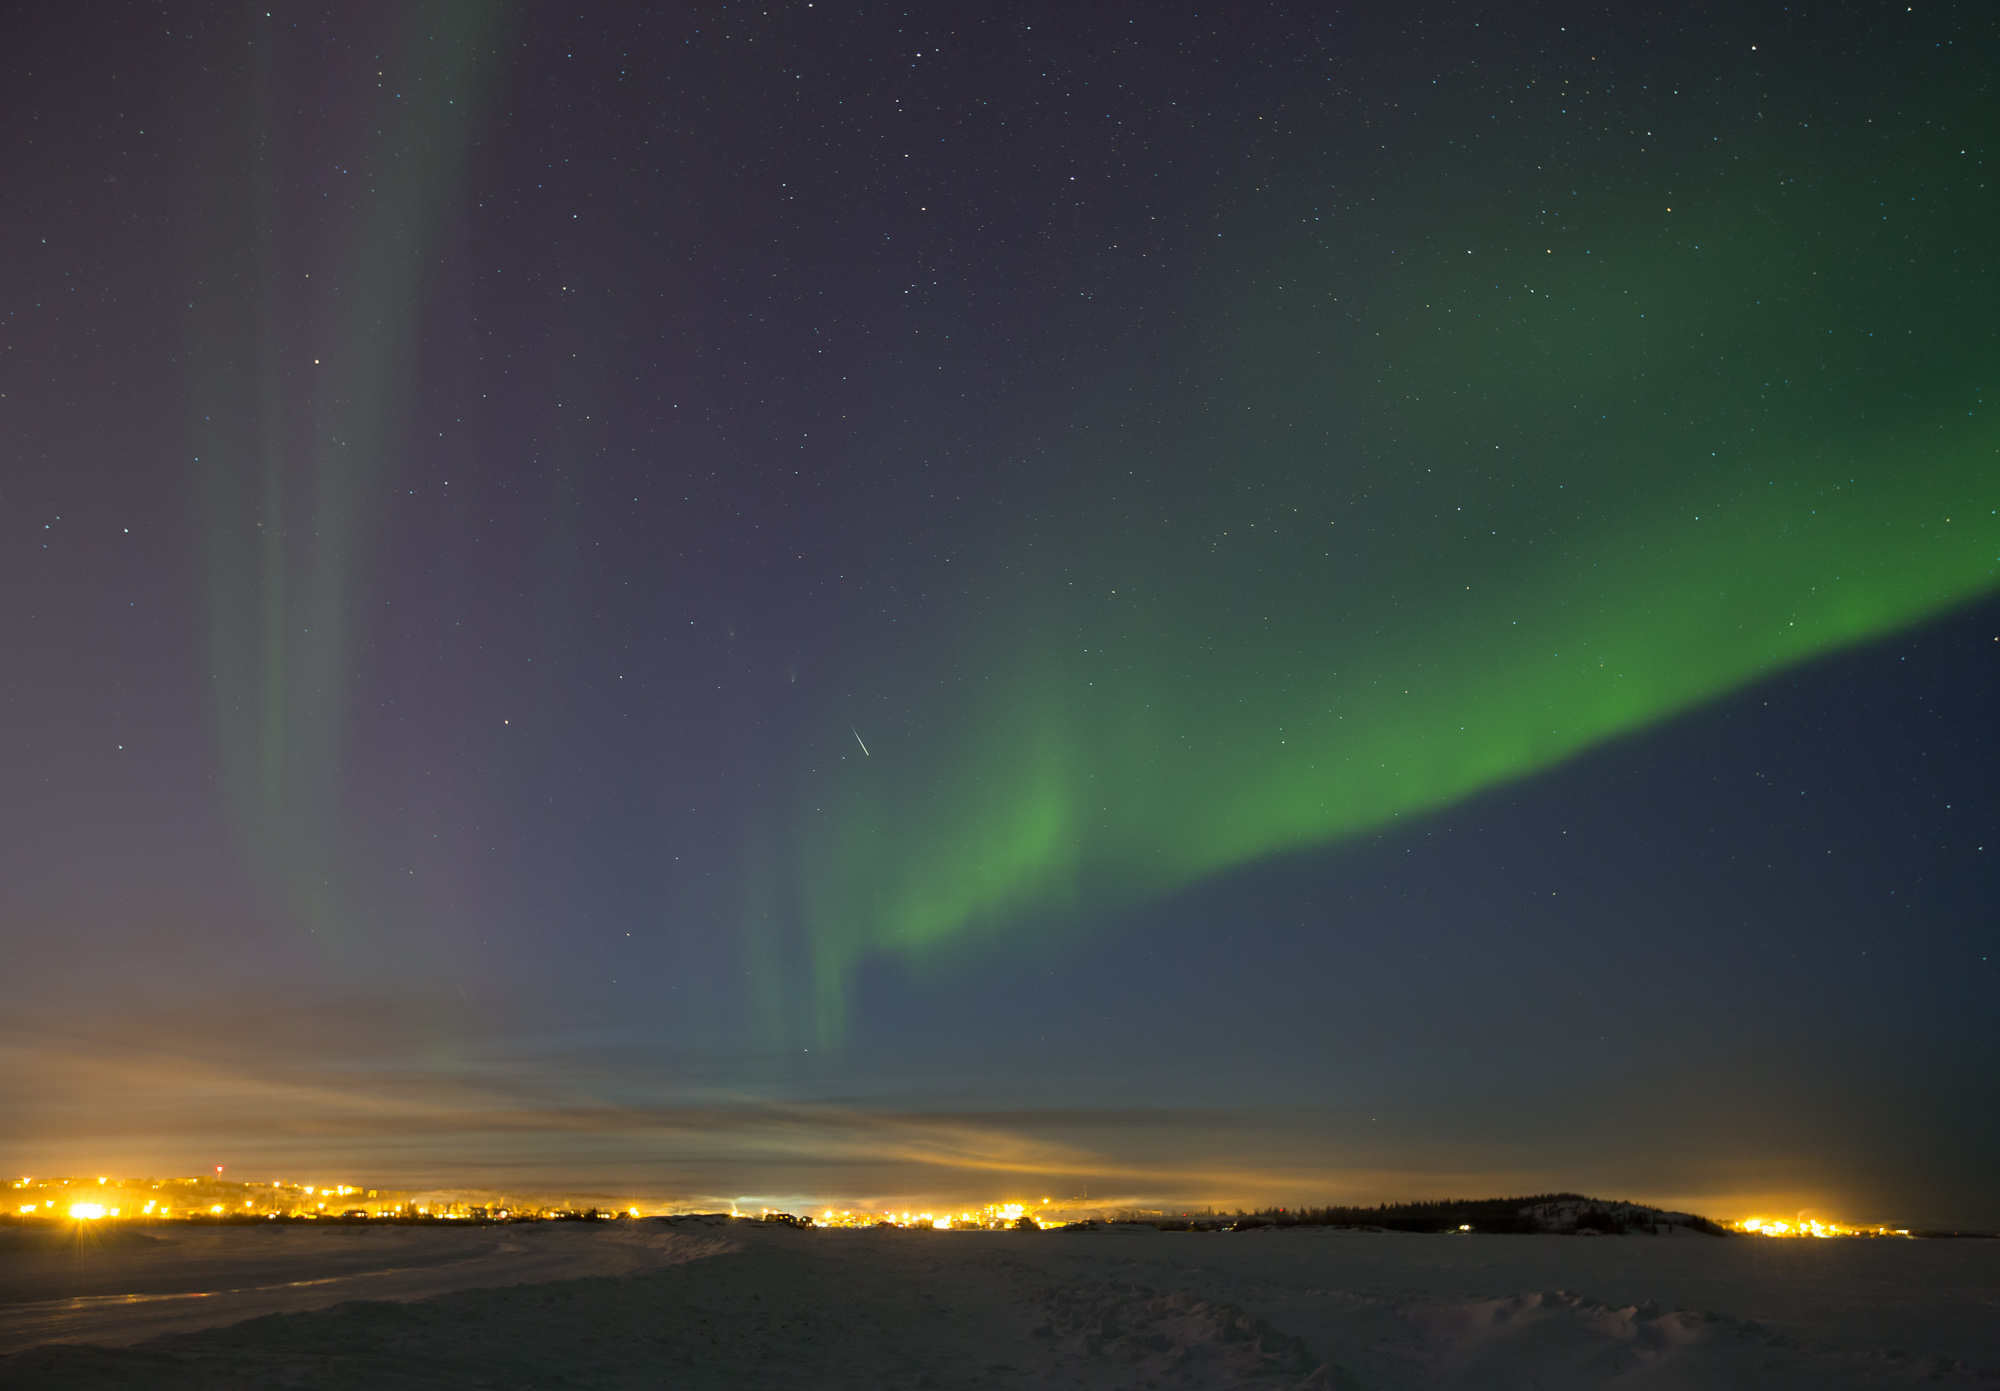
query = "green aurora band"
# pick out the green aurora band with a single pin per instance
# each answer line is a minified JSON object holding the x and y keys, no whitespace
{"x":1443,"y":472}
{"x":1499,"y":494}
{"x":302,"y":331}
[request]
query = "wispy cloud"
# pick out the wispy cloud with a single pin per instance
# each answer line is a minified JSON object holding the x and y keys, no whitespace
{"x":367,"y":1084}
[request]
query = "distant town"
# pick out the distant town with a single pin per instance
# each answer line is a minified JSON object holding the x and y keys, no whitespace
{"x":213,"y":1198}
{"x":218,"y":1199}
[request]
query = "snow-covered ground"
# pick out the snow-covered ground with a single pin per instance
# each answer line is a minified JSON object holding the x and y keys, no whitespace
{"x":146,"y":1283}
{"x":744,"y":1305}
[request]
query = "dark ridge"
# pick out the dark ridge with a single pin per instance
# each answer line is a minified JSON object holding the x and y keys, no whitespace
{"x":1556,"y":1213}
{"x":1970,"y":1236}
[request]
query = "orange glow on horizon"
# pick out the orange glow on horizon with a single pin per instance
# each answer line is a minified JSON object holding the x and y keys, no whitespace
{"x":1808,"y":1227}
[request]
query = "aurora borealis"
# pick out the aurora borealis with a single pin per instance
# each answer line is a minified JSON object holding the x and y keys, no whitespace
{"x":706,"y":592}
{"x":1325,"y":604}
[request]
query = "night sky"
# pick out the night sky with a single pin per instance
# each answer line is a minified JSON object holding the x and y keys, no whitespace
{"x":862,"y":603}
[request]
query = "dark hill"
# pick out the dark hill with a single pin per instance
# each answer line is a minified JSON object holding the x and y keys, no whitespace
{"x":1555,"y":1213}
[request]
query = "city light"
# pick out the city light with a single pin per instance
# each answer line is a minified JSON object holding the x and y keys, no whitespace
{"x":211,"y":1198}
{"x":1809,"y":1227}
{"x":988,"y":1218}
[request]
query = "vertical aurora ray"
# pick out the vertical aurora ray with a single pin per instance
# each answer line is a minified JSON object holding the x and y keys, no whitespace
{"x":317,"y":198}
{"x":1468,"y":494}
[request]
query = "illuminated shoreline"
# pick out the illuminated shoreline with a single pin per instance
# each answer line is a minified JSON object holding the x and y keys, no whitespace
{"x":215,"y":1199}
{"x":208,"y":1199}
{"x":212,"y":1200}
{"x":1809,"y":1227}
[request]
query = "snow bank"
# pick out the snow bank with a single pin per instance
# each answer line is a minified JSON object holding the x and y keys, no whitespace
{"x":747,"y":1305}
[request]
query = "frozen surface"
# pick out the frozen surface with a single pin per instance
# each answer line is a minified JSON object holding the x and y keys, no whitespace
{"x":148,"y":1282}
{"x":743,"y":1305}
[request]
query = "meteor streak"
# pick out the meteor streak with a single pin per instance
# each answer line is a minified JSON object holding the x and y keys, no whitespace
{"x":857,"y":739}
